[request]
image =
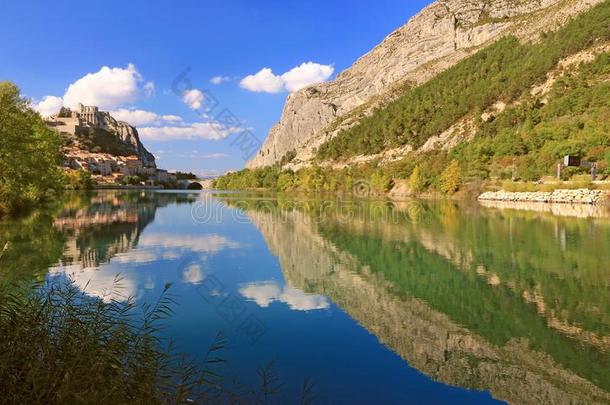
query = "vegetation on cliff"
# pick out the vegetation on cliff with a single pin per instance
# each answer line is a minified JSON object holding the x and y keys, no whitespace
{"x":504,"y":71}
{"x":29,"y":154}
{"x":523,"y":142}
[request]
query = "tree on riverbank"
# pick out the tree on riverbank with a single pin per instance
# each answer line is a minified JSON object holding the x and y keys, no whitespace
{"x":29,"y":154}
{"x":416,"y":183}
{"x":450,"y":178}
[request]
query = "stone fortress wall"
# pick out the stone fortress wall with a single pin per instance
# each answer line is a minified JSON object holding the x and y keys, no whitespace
{"x":69,"y":121}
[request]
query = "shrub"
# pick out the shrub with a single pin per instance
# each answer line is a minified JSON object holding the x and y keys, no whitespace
{"x":80,"y":180}
{"x":60,"y":346}
{"x":450,"y":180}
{"x":416,"y":182}
{"x":380,"y":183}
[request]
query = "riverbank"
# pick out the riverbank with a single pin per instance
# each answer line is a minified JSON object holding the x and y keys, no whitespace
{"x":561,"y":196}
{"x":125,"y":187}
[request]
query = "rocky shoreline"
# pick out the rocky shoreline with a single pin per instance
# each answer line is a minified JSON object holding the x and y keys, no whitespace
{"x":581,"y":196}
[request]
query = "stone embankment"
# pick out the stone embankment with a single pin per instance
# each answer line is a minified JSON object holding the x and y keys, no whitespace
{"x":582,"y":196}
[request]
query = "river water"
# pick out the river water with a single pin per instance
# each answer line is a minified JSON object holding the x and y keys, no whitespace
{"x":372,"y":301}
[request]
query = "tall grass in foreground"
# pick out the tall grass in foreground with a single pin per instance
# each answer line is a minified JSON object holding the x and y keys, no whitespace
{"x":60,"y":346}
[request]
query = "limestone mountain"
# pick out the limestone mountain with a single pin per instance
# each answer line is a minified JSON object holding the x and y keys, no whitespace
{"x":436,"y":39}
{"x":92,"y":130}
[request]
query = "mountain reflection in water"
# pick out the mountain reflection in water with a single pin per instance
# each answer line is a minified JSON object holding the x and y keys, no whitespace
{"x":512,"y":302}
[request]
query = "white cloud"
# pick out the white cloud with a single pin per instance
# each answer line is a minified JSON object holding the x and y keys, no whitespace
{"x":261,"y":293}
{"x":305,"y":75}
{"x":135,"y":117}
{"x":193,"y":98}
{"x":48,"y":106}
{"x":219,"y":79}
{"x":141,"y":117}
{"x":265,"y":81}
{"x":207,"y":173}
{"x":107,"y":88}
{"x":171,"y":118}
{"x":201,"y":130}
{"x":215,"y":156}
{"x":139,"y":255}
{"x":154,"y":247}
{"x":300,"y":301}
{"x":265,"y":293}
{"x":209,"y":244}
{"x":197,"y":154}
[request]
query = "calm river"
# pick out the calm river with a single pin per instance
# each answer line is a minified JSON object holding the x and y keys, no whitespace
{"x":374,"y":302}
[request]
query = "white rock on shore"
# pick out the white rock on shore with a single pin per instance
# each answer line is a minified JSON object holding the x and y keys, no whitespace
{"x":581,"y":196}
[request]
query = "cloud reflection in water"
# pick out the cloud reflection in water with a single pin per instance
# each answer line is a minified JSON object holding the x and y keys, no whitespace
{"x":266,"y":292}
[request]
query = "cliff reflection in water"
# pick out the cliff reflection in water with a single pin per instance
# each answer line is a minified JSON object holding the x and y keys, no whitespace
{"x":513,"y":302}
{"x":104,"y":226}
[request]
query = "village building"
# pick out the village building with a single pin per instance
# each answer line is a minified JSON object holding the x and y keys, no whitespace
{"x":110,"y":168}
{"x":163,"y":176}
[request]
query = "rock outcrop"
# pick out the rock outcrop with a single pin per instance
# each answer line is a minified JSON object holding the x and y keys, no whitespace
{"x":129,"y":136}
{"x":91,"y":128}
{"x":437,"y":38}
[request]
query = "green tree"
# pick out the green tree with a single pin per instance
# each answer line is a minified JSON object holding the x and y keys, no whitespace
{"x":80,"y":180}
{"x":285,"y":181}
{"x":29,"y":154}
{"x":416,"y":182}
{"x":380,"y":183}
{"x":451,"y":178}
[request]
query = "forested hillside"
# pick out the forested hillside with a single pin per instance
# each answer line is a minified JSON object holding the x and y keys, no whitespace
{"x":523,"y":141}
{"x":505,"y":71}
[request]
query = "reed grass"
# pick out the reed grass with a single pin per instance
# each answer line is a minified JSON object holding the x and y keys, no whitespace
{"x":59,"y":345}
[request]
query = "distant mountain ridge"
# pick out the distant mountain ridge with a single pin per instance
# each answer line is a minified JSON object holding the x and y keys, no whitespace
{"x":437,"y":38}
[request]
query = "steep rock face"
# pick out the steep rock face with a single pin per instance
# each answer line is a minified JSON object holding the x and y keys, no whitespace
{"x":90,"y":127}
{"x":128,"y":135}
{"x":437,"y":38}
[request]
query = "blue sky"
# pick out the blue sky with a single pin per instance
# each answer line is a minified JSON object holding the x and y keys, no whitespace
{"x":60,"y":48}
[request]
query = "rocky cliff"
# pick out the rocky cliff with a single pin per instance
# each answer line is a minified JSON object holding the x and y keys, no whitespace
{"x":437,"y":38}
{"x":97,"y":131}
{"x":129,"y":136}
